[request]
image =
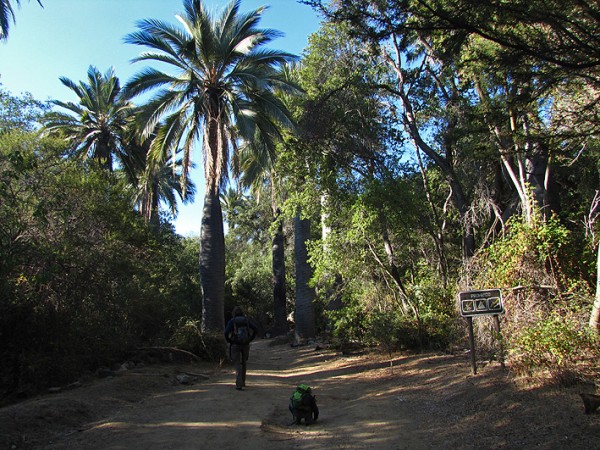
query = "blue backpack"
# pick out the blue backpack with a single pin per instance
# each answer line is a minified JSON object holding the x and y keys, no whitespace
{"x":241,"y":332}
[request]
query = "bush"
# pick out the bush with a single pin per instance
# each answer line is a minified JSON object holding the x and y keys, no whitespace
{"x":544,"y":328}
{"x":391,"y":330}
{"x":188,"y":336}
{"x":83,"y":279}
{"x":555,"y":344}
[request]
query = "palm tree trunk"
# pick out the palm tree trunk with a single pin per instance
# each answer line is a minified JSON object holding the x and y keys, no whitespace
{"x":212,"y":264}
{"x":279,"y":300}
{"x":305,"y":313}
{"x":103,"y":154}
{"x":154,"y":216}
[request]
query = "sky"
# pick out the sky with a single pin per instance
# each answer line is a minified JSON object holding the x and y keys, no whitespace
{"x":65,"y":37}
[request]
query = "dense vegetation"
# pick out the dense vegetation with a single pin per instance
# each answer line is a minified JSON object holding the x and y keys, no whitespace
{"x":433,"y":151}
{"x":84,"y":279}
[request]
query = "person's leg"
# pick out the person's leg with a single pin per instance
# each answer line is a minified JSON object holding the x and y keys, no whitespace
{"x":295,"y":418}
{"x":244,"y":359}
{"x":236,"y":358}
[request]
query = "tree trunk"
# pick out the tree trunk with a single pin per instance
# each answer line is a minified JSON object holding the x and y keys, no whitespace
{"x":595,"y":316}
{"x":103,"y":153}
{"x":212,"y":264}
{"x":154,"y":215}
{"x":279,"y":284}
{"x":305,"y":314}
{"x":334,"y":298}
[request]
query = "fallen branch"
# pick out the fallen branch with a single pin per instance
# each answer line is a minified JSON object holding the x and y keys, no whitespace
{"x":192,"y":374}
{"x":168,"y":354}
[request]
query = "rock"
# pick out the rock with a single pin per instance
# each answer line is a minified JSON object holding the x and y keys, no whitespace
{"x":184,"y":379}
{"x":104,"y":372}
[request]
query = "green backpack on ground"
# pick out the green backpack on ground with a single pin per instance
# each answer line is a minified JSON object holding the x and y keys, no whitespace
{"x":300,"y":399}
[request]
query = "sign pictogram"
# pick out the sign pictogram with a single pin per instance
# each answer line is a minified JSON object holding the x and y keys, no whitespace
{"x":481,"y":303}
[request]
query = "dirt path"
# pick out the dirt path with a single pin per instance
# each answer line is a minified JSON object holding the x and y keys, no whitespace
{"x":214,"y":415}
{"x":427,"y":401}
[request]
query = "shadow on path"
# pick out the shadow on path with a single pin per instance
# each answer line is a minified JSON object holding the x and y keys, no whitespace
{"x":356,"y":413}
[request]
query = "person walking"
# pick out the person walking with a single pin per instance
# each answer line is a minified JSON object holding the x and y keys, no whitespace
{"x":239,"y":332}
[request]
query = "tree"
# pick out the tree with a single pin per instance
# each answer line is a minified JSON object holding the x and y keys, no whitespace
{"x":222,"y":92}
{"x":260,"y":176}
{"x":20,"y":113}
{"x":7,"y":14}
{"x":96,"y":124}
{"x":154,"y":181}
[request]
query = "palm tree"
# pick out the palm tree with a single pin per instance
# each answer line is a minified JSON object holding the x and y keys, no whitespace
{"x":7,"y":14}
{"x":232,"y":200}
{"x":97,"y":123}
{"x":155,"y":181}
{"x":222,"y":92}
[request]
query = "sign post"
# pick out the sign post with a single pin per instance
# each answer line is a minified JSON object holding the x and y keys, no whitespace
{"x":472,"y":344}
{"x":481,"y":303}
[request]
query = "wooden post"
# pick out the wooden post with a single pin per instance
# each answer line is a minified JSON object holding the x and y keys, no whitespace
{"x":497,"y":324}
{"x":472,"y":343}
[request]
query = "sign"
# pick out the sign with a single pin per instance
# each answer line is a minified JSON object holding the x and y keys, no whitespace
{"x":481,"y":303}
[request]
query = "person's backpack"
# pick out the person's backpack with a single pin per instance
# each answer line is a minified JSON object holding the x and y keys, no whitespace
{"x":300,"y":399}
{"x":241,"y":332}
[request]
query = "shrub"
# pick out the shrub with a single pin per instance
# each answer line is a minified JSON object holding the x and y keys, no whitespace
{"x":188,"y":336}
{"x":546,"y":304}
{"x":555,"y":344}
{"x":83,"y":279}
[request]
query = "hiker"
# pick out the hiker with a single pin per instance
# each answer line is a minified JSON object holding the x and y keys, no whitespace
{"x":239,"y":332}
{"x":303,"y":405}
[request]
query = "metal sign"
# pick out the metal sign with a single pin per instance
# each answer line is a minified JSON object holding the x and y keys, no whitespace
{"x":481,"y":303}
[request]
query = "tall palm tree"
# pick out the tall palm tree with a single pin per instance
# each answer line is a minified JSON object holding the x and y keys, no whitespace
{"x":221,"y":92}
{"x":7,"y":15}
{"x":95,"y":125}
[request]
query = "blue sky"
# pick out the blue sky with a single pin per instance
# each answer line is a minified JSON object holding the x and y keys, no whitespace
{"x":67,"y":36}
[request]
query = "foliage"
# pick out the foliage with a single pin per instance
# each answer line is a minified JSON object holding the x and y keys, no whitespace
{"x":385,"y":326}
{"x":95,"y":125}
{"x":83,"y":278}
{"x":545,"y":306}
{"x":188,"y":336}
{"x":527,"y":255}
{"x":20,"y":113}
{"x":555,"y":344}
{"x":249,"y":269}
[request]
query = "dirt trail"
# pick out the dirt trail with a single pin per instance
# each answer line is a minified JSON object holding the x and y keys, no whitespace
{"x":214,"y":415}
{"x":427,"y":401}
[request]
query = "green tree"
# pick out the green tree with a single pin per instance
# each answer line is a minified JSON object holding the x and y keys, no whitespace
{"x":21,"y":113}
{"x":155,"y":181}
{"x":95,"y":126}
{"x":222,"y":91}
{"x":248,"y":277}
{"x":83,"y":279}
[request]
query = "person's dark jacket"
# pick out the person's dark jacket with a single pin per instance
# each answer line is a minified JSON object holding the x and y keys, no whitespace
{"x":240,"y":321}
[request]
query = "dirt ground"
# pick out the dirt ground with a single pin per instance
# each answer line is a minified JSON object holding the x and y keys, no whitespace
{"x":423,"y":402}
